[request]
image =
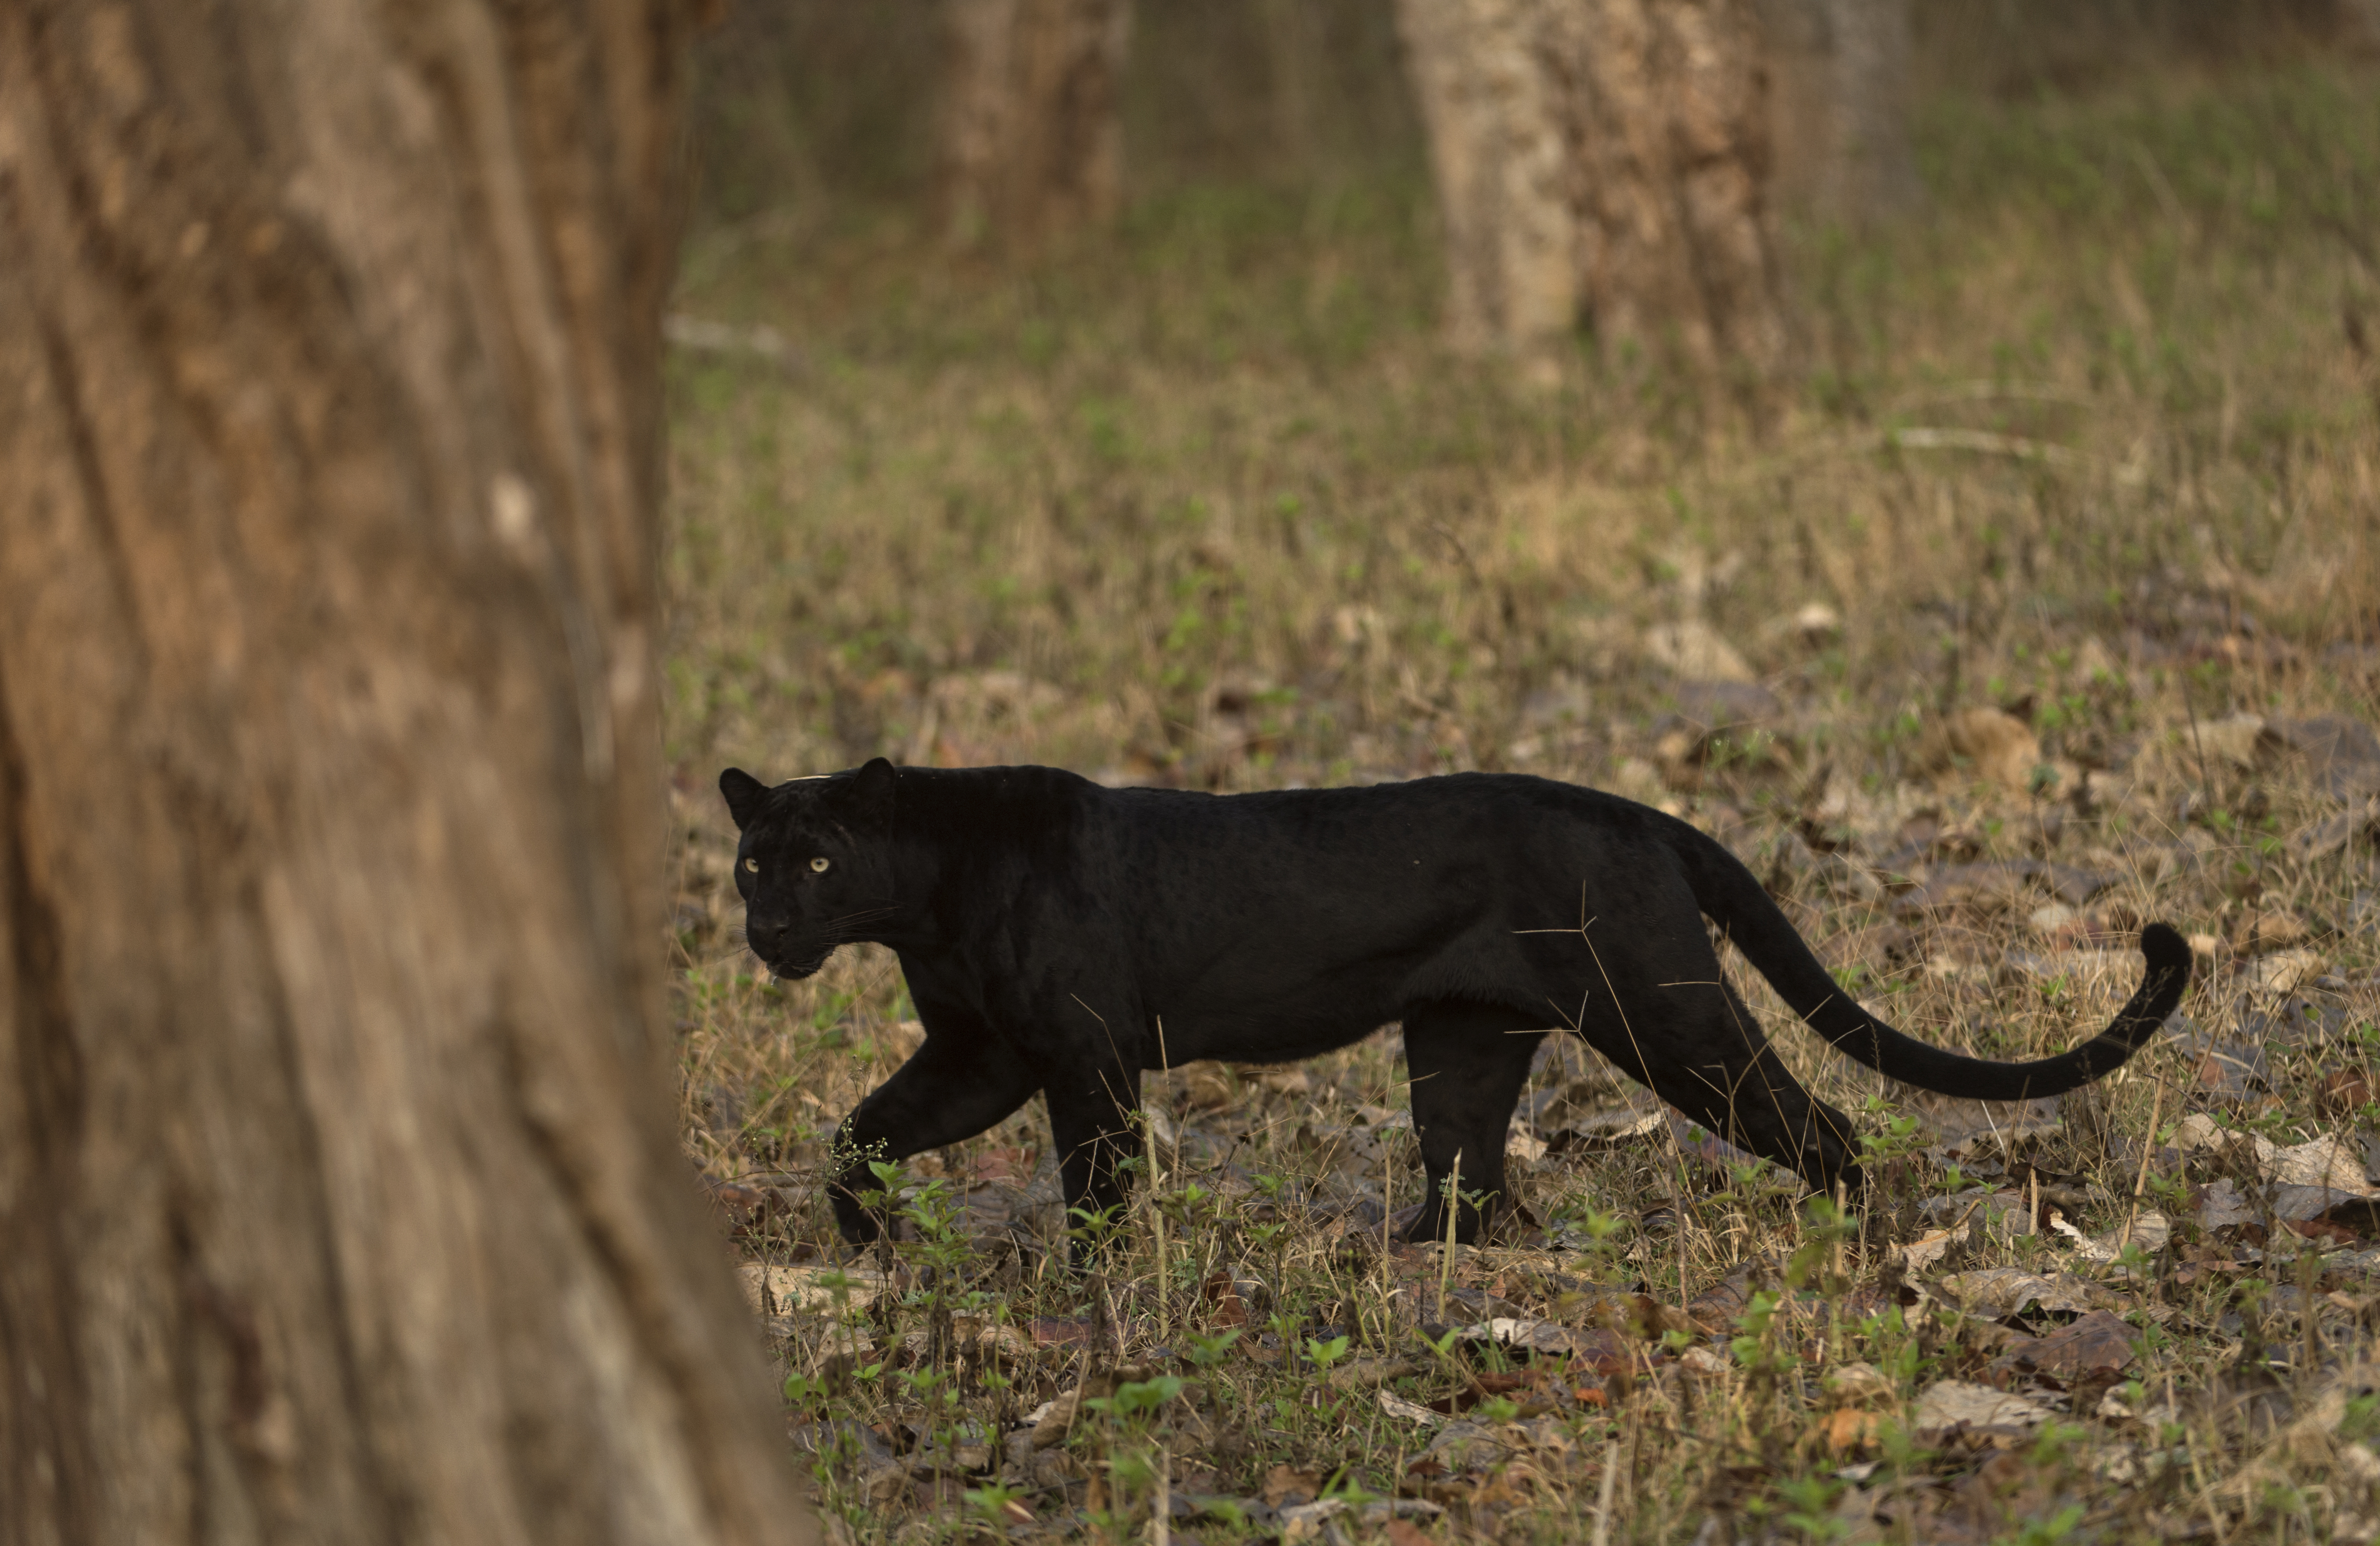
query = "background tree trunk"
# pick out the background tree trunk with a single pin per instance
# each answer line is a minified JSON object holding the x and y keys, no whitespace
{"x":1492,"y":105}
{"x":1670,"y":122}
{"x":1032,"y":142}
{"x":337,"y":1179}
{"x":1604,"y":160}
{"x":1840,"y":107}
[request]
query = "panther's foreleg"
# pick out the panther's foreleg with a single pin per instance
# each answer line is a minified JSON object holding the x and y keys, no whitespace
{"x":953,"y":1087}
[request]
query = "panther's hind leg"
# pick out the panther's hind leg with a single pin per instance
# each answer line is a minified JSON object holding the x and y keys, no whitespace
{"x":1467,"y":1062}
{"x":1712,"y":1061}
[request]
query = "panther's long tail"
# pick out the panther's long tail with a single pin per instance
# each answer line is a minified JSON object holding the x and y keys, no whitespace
{"x":1733,"y":898}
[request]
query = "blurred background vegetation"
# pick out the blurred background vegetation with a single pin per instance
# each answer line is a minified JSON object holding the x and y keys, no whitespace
{"x":1202,"y":491}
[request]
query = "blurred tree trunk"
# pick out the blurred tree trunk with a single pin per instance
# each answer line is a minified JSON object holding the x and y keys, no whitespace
{"x":1606,"y":162}
{"x":338,"y":1182}
{"x":1032,"y":141}
{"x":1486,"y":75}
{"x":1841,"y":107}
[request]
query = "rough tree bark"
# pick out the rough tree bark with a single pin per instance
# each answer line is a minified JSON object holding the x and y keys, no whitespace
{"x":1840,"y":107}
{"x":339,"y":1198}
{"x":1492,"y":106}
{"x":1032,"y":142}
{"x":1603,"y":160}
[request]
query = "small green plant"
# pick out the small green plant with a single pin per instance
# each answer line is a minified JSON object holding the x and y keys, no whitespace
{"x":1209,"y":1349}
{"x":1826,"y":1227}
{"x":998,"y":1505}
{"x":1136,"y":1401}
{"x":1751,"y":1343}
{"x":1810,"y":1507}
{"x":1894,"y":1137}
{"x":2059,"y":1527}
{"x":1129,"y":1411}
{"x":1096,"y":1229}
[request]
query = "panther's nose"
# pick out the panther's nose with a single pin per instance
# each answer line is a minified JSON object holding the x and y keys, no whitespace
{"x":764,"y":934}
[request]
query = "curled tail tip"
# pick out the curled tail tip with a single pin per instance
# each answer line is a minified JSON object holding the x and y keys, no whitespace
{"x":2167,"y":954}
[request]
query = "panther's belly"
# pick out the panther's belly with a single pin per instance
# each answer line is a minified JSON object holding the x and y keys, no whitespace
{"x":1270,"y":1028}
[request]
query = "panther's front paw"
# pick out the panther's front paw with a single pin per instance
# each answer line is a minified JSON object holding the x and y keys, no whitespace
{"x":1470,"y":1223}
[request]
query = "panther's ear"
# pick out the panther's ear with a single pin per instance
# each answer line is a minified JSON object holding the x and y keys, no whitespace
{"x":871,"y":793}
{"x":744,"y":794}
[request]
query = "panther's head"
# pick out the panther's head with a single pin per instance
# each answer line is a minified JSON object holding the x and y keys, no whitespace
{"x":814,"y":864}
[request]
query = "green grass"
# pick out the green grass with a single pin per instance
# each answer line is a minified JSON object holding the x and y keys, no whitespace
{"x":1204,"y":501}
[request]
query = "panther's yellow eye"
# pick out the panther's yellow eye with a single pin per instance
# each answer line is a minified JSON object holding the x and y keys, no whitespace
{"x":818,"y":867}
{"x":751,"y":867}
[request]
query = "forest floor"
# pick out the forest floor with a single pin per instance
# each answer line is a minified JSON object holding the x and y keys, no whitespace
{"x":2041,"y":604}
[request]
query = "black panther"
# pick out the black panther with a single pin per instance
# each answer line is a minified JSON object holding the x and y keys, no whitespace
{"x":1060,"y":937}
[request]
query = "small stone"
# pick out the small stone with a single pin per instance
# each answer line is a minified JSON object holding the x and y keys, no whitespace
{"x":1817,"y":623}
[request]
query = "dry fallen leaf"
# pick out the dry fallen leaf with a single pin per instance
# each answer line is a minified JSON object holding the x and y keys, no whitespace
{"x":2233,"y":740}
{"x":1948,"y":1405}
{"x":1930,"y":1248}
{"x":993,"y":1338}
{"x":1701,"y":1361}
{"x":1987,"y":746}
{"x":1210,"y":1086}
{"x":1692,"y":649}
{"x":1850,"y":1430}
{"x":2097,"y":1345}
{"x":1062,"y":1331}
{"x":1359,"y":1373}
{"x":2283,"y":971}
{"x":2323,"y":1161}
{"x":2344,"y":1092}
{"x":1997,"y":1293}
{"x":1222,"y":1294}
{"x":1286,"y":1486}
{"x":1859,"y":1384}
{"x":2261,"y":932}
{"x":2149,"y":1231}
{"x":1052,"y":1421}
{"x":1604,"y":1349}
{"x":2220,"y":1206}
{"x":818,"y":1289}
